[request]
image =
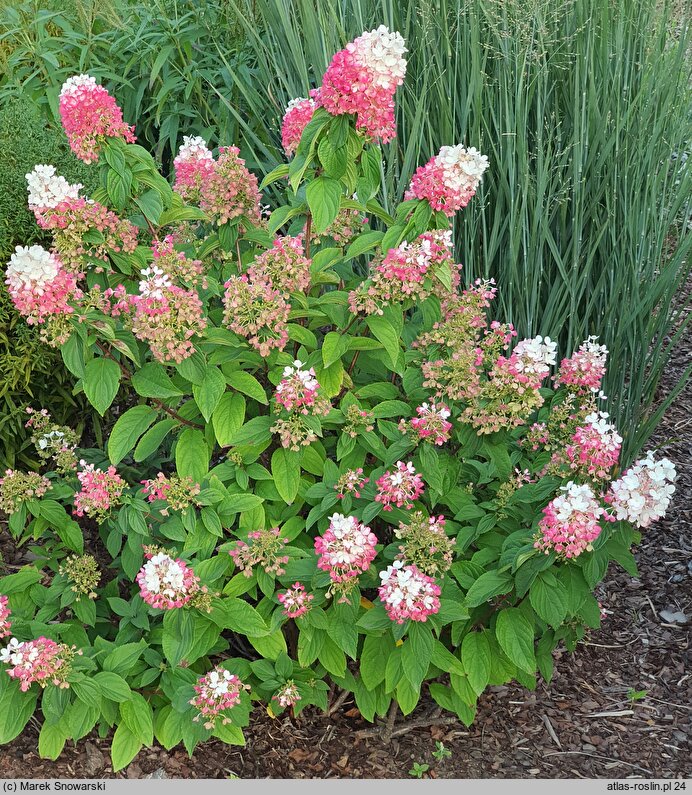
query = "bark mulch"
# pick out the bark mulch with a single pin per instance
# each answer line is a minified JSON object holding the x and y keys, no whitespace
{"x":620,"y":706}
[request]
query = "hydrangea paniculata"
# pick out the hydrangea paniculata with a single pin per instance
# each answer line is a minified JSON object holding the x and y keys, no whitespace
{"x":296,"y":117}
{"x":166,"y":583}
{"x":52,"y":440}
{"x":642,"y":495}
{"x":230,"y":190}
{"x":217,"y":692}
{"x":298,"y":391}
{"x":257,"y":312}
{"x":571,"y":522}
{"x":295,"y":602}
{"x":351,"y":482}
{"x":449,"y":180}
{"x":425,"y":544}
{"x":5,"y":613}
{"x":42,"y":660}
{"x":176,"y":265}
{"x":48,"y":190}
{"x":595,"y":446}
{"x":585,"y":369}
{"x":194,"y":166}
{"x":17,"y":487}
{"x":346,"y":549}
{"x":431,"y":425}
{"x":400,"y":487}
{"x":89,"y":115}
{"x":264,"y":548}
{"x":283,"y":266}
{"x":101,"y":491}
{"x":177,"y":492}
{"x":407,"y":593}
{"x":288,"y":695}
{"x":362,"y":80}
{"x":83,"y":573}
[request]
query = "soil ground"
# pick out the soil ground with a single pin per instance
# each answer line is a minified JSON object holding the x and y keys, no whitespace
{"x":581,"y":725}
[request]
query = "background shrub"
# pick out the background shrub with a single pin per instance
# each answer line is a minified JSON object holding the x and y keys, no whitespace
{"x":27,"y":367}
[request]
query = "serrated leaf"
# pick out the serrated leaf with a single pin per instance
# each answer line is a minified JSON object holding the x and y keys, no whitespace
{"x":101,"y":381}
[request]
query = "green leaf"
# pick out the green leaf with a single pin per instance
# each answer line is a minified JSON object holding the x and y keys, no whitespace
{"x":286,"y":472}
{"x":334,"y":159}
{"x":365,"y":242}
{"x":129,"y":427}
{"x":490,"y":584}
{"x":88,"y":692}
{"x":153,"y":438}
{"x":515,"y":636}
{"x":51,"y":740}
{"x":124,"y":748}
{"x":324,"y":197}
{"x":242,"y":617}
{"x":548,"y":597}
{"x":228,"y":417}
{"x":254,"y":432}
{"x":417,"y":653}
{"x":373,"y":659}
{"x":138,"y":717}
{"x":101,"y":381}
{"x":248,"y":385}
{"x":153,"y":381}
{"x":385,"y":332}
{"x":334,"y":346}
{"x":112,"y":686}
{"x":477,"y":659}
{"x":208,"y":394}
{"x":123,"y":658}
{"x":15,"y":708}
{"x":192,"y":455}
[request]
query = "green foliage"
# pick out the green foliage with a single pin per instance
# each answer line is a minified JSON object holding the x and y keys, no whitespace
{"x":28,"y":371}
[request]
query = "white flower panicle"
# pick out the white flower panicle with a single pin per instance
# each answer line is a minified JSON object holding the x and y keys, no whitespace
{"x":382,"y":53}
{"x":31,"y":267}
{"x":47,"y":189}
{"x":642,"y":495}
{"x":194,"y":147}
{"x":535,"y":356}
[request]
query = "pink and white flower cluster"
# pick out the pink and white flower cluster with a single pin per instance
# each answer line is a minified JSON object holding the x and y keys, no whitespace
{"x":295,"y":601}
{"x":407,"y":272}
{"x":298,"y":391}
{"x":400,"y":487}
{"x":351,"y":482}
{"x":48,"y":190}
{"x":362,"y":80}
{"x":39,"y":285}
{"x":407,"y":593}
{"x":166,"y":583}
{"x":89,"y":115}
{"x":432,"y":423}
{"x":283,"y":266}
{"x":595,"y":446}
{"x":642,"y":495}
{"x":178,"y":492}
{"x":41,"y":660}
{"x":217,"y":691}
{"x":257,"y":312}
{"x":224,"y":188}
{"x":288,"y":695}
{"x":176,"y":265}
{"x":571,"y":522}
{"x":530,"y":361}
{"x":297,"y":115}
{"x":5,"y":623}
{"x":17,"y":487}
{"x":449,"y":180}
{"x":265,"y":549}
{"x":101,"y":491}
{"x":585,"y":369}
{"x":346,"y":549}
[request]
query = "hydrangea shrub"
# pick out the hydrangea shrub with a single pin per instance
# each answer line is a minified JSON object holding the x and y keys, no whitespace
{"x":337,"y":471}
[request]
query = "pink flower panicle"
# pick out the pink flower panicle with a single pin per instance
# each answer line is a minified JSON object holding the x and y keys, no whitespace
{"x":407,"y":593}
{"x":18,"y":487}
{"x":295,"y":601}
{"x":400,"y":487}
{"x":264,"y":549}
{"x":176,"y":265}
{"x":101,"y":490}
{"x":5,"y":623}
{"x":585,"y":369}
{"x":296,"y":117}
{"x":298,"y":391}
{"x":230,"y":190}
{"x":257,"y":312}
{"x":89,"y":115}
{"x":178,"y":492}
{"x":642,"y":495}
{"x":431,"y":425}
{"x":39,"y":285}
{"x":346,"y":550}
{"x":362,"y":80}
{"x":449,"y":180}
{"x":165,"y":583}
{"x":288,"y":695}
{"x":194,"y":167}
{"x":595,"y":447}
{"x":571,"y":522}
{"x":283,"y":266}
{"x":42,"y":660}
{"x":163,"y":315}
{"x":529,"y":363}
{"x":217,"y":692}
{"x":407,"y":273}
{"x":351,"y":482}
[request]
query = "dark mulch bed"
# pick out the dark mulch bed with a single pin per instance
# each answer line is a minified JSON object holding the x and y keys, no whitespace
{"x":581,"y":725}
